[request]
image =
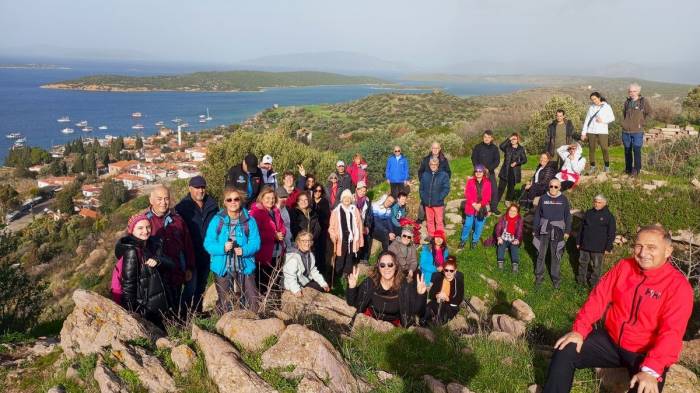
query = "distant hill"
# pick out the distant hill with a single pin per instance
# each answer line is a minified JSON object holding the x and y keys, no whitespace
{"x":211,"y":81}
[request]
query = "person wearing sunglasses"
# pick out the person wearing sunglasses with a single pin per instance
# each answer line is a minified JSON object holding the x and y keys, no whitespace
{"x":433,"y":256}
{"x":232,"y":240}
{"x":550,"y":229}
{"x":477,"y":196}
{"x":396,"y":172}
{"x":445,"y":295}
{"x":300,"y":266}
{"x":405,"y":251}
{"x":385,"y":295}
{"x":573,"y":164}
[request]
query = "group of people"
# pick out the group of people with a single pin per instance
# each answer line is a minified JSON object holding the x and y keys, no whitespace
{"x":303,"y":233}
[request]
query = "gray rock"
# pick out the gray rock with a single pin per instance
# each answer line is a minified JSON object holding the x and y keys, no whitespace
{"x":107,"y":380}
{"x":434,"y":385}
{"x":384,"y":376}
{"x":164,"y":343}
{"x":458,"y":324}
{"x":249,"y":333}
{"x":147,"y":367}
{"x":312,"y":384}
{"x":453,"y":218}
{"x":522,"y":311}
{"x":324,"y":305}
{"x":57,"y":389}
{"x":508,"y":324}
{"x":425,"y":333}
{"x":210,"y":298}
{"x":477,"y":305}
{"x":363,"y":321}
{"x":457,"y":388}
{"x":183,"y":357}
{"x":72,"y":373}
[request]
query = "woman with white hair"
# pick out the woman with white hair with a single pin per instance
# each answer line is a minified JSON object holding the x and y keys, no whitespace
{"x":346,"y":233}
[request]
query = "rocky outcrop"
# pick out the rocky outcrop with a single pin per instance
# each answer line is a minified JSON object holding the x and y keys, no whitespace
{"x":310,"y":352}
{"x":97,"y":322}
{"x":691,"y":352}
{"x":508,"y":324}
{"x":210,"y":298}
{"x":107,"y":380}
{"x":477,"y":305}
{"x":363,"y":321}
{"x":678,"y":380}
{"x":522,"y":311}
{"x":329,"y":307}
{"x":457,"y":388}
{"x":434,"y":385}
{"x":458,"y":324}
{"x":225,"y":366}
{"x":249,"y":333}
{"x":312,"y":384}
{"x":183,"y":357}
{"x":147,"y":367}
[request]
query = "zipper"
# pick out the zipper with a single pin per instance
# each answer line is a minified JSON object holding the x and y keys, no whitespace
{"x":632,"y":313}
{"x":636,"y":311}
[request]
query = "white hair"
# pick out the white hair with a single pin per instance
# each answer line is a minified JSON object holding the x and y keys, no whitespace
{"x":600,"y":197}
{"x":635,"y":86}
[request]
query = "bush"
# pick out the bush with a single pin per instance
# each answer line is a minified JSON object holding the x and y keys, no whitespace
{"x":680,"y":157}
{"x":536,"y":140}
{"x":691,"y":106}
{"x":21,"y":299}
{"x":287,"y":154}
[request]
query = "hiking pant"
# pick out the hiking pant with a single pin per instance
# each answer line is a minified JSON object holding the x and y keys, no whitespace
{"x":633,"y":142}
{"x":225,"y":290}
{"x":396,"y":188}
{"x":595,"y":260}
{"x":509,"y":184}
{"x":513,"y":249}
{"x":595,"y":140}
{"x":494,"y":190}
{"x":434,"y":216}
{"x":478,"y":225}
{"x":383,"y":236}
{"x":567,"y":185}
{"x":556,"y":250}
{"x":598,"y":350}
{"x":345,"y":262}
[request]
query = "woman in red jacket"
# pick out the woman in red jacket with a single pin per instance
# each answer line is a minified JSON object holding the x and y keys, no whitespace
{"x":272,"y":232}
{"x":358,"y":169}
{"x":647,"y":303}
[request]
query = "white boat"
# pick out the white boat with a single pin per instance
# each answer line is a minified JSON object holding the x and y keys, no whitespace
{"x":19,"y":142}
{"x":160,"y":123}
{"x":82,"y":123}
{"x":184,"y":125}
{"x":137,"y":127}
{"x":202,"y":120}
{"x":13,"y":135}
{"x":176,"y":120}
{"x":102,"y":127}
{"x":136,"y":114}
{"x":202,"y":116}
{"x":87,"y":129}
{"x":64,"y":119}
{"x":209,"y":118}
{"x":67,"y":130}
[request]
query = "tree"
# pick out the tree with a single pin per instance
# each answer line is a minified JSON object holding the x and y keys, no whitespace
{"x":64,"y":198}
{"x":78,"y":165}
{"x":22,"y":298}
{"x":691,"y":106}
{"x":9,"y":199}
{"x":89,"y":163}
{"x":139,"y":143}
{"x":536,"y":140}
{"x":113,"y":195}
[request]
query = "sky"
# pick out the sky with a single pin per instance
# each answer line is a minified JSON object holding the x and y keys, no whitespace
{"x":438,"y":35}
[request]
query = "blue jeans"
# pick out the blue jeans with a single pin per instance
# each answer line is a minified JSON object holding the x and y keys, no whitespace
{"x":633,"y":142}
{"x":512,"y":248}
{"x":478,"y":225}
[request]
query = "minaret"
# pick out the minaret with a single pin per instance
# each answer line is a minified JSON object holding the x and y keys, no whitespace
{"x":179,"y":135}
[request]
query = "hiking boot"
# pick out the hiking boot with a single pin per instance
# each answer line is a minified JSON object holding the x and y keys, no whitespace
{"x":515,"y":268}
{"x":461,"y":246}
{"x":607,"y":169}
{"x":473,"y":245}
{"x":500,"y":265}
{"x":557,"y":285}
{"x":591,"y":171}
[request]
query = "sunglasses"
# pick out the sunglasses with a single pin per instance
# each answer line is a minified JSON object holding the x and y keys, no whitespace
{"x":229,"y":200}
{"x":397,"y":151}
{"x":318,"y":190}
{"x":554,"y":187}
{"x":407,"y":237}
{"x":479,"y":171}
{"x":449,"y":270}
{"x":385,"y":265}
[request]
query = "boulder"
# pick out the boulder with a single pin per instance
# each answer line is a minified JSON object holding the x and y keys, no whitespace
{"x":97,"y":322}
{"x":250,"y":334}
{"x":164,"y":343}
{"x":434,"y":385}
{"x":477,"y":305}
{"x":696,"y":183}
{"x":72,"y":372}
{"x":309,"y":351}
{"x":384,"y":376}
{"x":312,"y":384}
{"x":96,"y":257}
{"x":691,"y":352}
{"x":453,"y":218}
{"x":225,"y":366}
{"x":147,"y":367}
{"x":43,"y":346}
{"x":283,"y":316}
{"x":522,"y":311}
{"x":490,"y":282}
{"x":681,"y":380}
{"x":183,"y":357}
{"x":457,"y":388}
{"x":324,"y":305}
{"x":508,"y":324}
{"x":501,"y":336}
{"x":57,"y":389}
{"x":362,"y":320}
{"x":210,"y":298}
{"x":107,"y":380}
{"x":458,"y":324}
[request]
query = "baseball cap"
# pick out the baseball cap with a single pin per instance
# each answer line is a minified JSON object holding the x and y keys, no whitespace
{"x":361,"y":184}
{"x":340,"y":163}
{"x":267,"y":159}
{"x":198,"y":181}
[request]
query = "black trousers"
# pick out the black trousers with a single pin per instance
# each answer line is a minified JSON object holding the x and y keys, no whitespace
{"x":494,"y":191}
{"x":396,"y":188}
{"x":508,"y":183}
{"x":345,"y":262}
{"x":598,"y":350}
{"x":438,"y":314}
{"x":595,"y":260}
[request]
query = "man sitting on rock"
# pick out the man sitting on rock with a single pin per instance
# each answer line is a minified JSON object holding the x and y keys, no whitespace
{"x":647,"y":303}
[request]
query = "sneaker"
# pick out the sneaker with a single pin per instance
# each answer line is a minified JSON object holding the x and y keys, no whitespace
{"x":461,"y":246}
{"x":500,"y":265}
{"x":607,"y":169}
{"x":473,"y":245}
{"x":515,"y":268}
{"x":591,"y":171}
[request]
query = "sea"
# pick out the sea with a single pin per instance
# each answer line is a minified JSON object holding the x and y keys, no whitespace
{"x":32,"y":111}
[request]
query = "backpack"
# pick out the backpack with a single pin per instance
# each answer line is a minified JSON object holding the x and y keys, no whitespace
{"x":116,"y":286}
{"x":220,"y":225}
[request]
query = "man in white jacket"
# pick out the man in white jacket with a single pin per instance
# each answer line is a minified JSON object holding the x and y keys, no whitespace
{"x":300,"y":267}
{"x":595,"y":129}
{"x":573,"y":165}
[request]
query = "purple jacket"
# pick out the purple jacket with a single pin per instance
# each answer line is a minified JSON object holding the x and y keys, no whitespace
{"x":501,"y":226}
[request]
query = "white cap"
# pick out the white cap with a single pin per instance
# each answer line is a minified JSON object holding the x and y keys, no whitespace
{"x":267,"y":159}
{"x":361,"y":184}
{"x":340,"y":163}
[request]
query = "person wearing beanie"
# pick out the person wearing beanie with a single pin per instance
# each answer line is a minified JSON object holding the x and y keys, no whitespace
{"x":137,"y":280}
{"x":246,"y":177}
{"x":405,"y":251}
{"x":433,"y":256}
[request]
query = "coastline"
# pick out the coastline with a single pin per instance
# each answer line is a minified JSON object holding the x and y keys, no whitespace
{"x":111,"y":89}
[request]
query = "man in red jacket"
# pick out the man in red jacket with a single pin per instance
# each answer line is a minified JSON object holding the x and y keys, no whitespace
{"x":647,"y":303}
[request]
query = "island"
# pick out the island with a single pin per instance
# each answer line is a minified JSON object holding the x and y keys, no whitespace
{"x":219,"y":81}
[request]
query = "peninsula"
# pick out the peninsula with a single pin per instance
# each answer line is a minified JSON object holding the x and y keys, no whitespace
{"x":222,"y":81}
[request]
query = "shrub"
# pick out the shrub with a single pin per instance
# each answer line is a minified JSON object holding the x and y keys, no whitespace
{"x":536,"y":140}
{"x":680,"y":157}
{"x":21,"y":298}
{"x":691,"y":106}
{"x":287,"y":154}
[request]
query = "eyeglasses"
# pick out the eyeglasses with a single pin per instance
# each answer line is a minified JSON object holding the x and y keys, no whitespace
{"x":319,"y":190}
{"x":397,"y":151}
{"x":385,"y":265}
{"x":449,"y":270}
{"x":554,"y":187}
{"x":479,"y":171}
{"x":407,"y":237}
{"x":229,"y":200}
{"x":309,"y":241}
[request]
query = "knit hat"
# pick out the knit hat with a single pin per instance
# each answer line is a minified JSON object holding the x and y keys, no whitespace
{"x":441,"y":234}
{"x":479,"y":167}
{"x":251,"y":162}
{"x":407,"y":230}
{"x":281,"y":192}
{"x":133,"y":220}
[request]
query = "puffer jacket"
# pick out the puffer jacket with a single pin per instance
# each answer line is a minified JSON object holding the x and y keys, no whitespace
{"x":267,"y":226}
{"x":301,"y":221}
{"x":434,"y":187}
{"x":511,"y":155}
{"x":145,"y":291}
{"x":216,"y":239}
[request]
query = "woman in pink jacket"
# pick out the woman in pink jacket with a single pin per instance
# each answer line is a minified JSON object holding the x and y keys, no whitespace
{"x":346,"y":233}
{"x":477,"y":194}
{"x":272,"y":232}
{"x":358,"y":169}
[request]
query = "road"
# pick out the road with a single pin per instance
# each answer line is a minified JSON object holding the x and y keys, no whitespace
{"x":22,"y":222}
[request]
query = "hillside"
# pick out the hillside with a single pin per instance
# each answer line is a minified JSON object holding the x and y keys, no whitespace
{"x":225,"y":81}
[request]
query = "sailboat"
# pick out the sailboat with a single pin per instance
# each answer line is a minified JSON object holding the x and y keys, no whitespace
{"x":209,"y":118}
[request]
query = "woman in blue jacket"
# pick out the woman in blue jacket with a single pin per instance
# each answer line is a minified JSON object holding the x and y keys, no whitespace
{"x":232,"y":240}
{"x":433,"y":256}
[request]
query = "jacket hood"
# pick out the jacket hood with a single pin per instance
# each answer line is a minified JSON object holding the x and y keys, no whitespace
{"x":126,"y":243}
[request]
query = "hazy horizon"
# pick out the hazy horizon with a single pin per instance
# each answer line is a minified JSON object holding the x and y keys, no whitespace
{"x":613,"y":38}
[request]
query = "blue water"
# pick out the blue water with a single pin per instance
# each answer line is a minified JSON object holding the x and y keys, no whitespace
{"x":32,"y":111}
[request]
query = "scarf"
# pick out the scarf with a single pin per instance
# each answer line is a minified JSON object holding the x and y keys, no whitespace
{"x":439,"y":256}
{"x":511,"y":224}
{"x":347,"y":221}
{"x":333,"y":193}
